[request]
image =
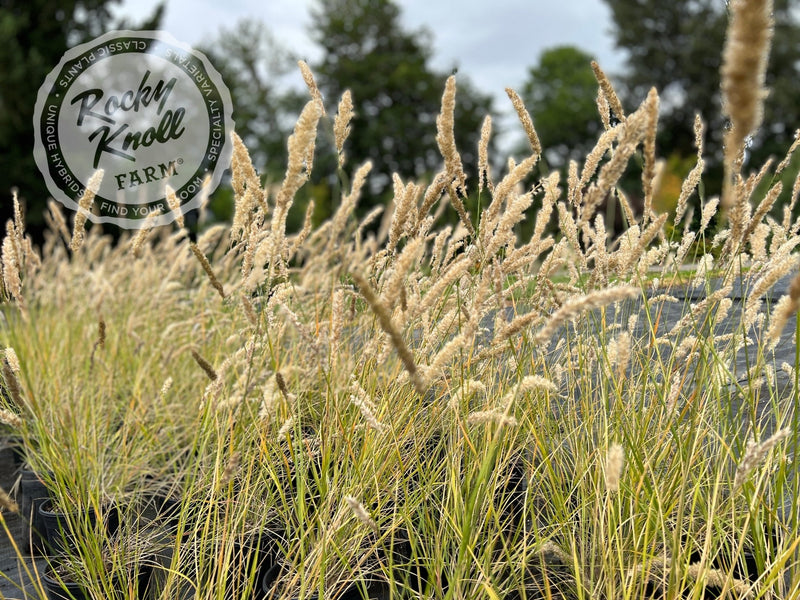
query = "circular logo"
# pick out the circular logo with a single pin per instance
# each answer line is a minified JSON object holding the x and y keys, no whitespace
{"x":148,"y":111}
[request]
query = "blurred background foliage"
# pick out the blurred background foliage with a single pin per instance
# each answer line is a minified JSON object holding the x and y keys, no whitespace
{"x":363,"y":46}
{"x":35,"y":35}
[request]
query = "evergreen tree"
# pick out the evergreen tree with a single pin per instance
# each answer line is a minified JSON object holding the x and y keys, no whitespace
{"x":254,"y":65}
{"x":677,"y":46}
{"x":396,"y":94}
{"x":560,"y":94}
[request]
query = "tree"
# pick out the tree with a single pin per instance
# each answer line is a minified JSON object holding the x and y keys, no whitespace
{"x":677,"y":47}
{"x":396,"y":94}
{"x":253,"y":65}
{"x":560,"y":93}
{"x":35,"y":34}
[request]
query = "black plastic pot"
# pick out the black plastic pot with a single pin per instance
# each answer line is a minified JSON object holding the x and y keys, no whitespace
{"x":165,"y":509}
{"x":366,"y":589}
{"x":59,"y":589}
{"x":33,"y":493}
{"x":399,"y":552}
{"x":60,"y":537}
{"x":144,"y":575}
{"x":111,"y":519}
{"x":511,"y":496}
{"x":257,"y":553}
{"x":161,"y":509}
{"x":16,"y":447}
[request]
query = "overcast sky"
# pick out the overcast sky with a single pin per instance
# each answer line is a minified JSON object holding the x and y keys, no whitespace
{"x":493,"y":42}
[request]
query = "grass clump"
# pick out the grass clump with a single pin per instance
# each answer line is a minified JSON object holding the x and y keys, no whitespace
{"x":422,"y":411}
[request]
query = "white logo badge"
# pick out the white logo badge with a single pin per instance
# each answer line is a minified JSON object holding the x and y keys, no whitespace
{"x":147,"y":110}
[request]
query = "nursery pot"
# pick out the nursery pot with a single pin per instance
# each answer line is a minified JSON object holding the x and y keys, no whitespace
{"x":398,"y":551}
{"x":16,"y":448}
{"x":256,"y":553}
{"x":60,"y":537}
{"x":374,"y":588}
{"x":143,"y":578}
{"x":162,"y":509}
{"x":60,"y":589}
{"x":111,"y":519}
{"x":33,"y":493}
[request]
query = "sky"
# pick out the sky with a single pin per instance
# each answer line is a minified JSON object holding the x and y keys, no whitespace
{"x":492,"y":42}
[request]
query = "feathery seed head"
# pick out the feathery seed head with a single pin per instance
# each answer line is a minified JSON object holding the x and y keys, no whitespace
{"x":527,"y":123}
{"x":615,"y":461}
{"x":84,"y":206}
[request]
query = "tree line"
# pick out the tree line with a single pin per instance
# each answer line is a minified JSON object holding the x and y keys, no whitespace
{"x":674,"y":46}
